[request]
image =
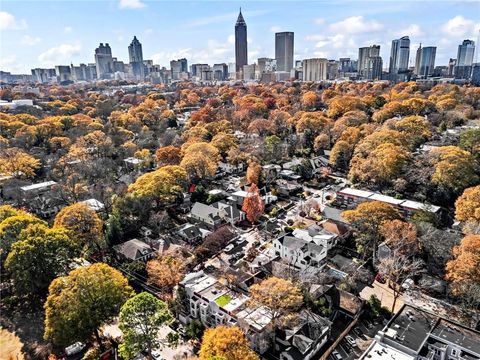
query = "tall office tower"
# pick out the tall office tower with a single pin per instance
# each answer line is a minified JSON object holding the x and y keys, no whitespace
{"x":184,"y":65}
{"x":241,"y":57}
{"x":266,"y":65}
{"x":332,"y":69}
{"x":284,"y":50}
{"x":374,"y":68}
{"x":451,"y":66}
{"x":465,"y":53}
{"x":475,"y":80}
{"x":425,"y":61}
{"x":135,"y":54}
{"x":104,"y":61}
{"x":220,"y":71}
{"x":399,"y":55}
{"x":345,"y":65}
{"x":178,"y":67}
{"x":363,"y":54}
{"x":44,"y":75}
{"x":315,"y":69}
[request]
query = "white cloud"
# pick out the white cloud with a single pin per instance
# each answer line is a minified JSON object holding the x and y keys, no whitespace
{"x":59,"y":54}
{"x":30,"y":40}
{"x":67,"y":29}
{"x":9,"y":22}
{"x":164,"y":57}
{"x":356,"y":25}
{"x":131,"y":4}
{"x":411,"y":30}
{"x":460,"y":26}
{"x":275,"y":29}
{"x":148,"y":31}
{"x":231,"y":39}
{"x":10,"y":63}
{"x":319,"y":21}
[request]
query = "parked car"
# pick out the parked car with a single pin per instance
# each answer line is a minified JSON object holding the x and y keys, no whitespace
{"x":379,"y":278}
{"x":350,"y":340}
{"x":74,"y":348}
{"x":337,"y":355}
{"x":229,"y":247}
{"x":156,"y":355}
{"x":358,"y":331}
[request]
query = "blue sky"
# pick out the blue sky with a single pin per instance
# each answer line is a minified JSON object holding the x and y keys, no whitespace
{"x":47,"y":33}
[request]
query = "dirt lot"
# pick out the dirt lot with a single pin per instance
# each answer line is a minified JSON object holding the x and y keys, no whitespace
{"x":383,"y":293}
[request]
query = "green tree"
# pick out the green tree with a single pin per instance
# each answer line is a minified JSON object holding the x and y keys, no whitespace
{"x":38,"y":257}
{"x":470,"y":140}
{"x":81,"y":302}
{"x":141,"y":318}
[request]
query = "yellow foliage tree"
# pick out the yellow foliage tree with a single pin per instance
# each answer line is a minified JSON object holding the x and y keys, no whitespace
{"x":200,"y":160}
{"x":226,"y":342}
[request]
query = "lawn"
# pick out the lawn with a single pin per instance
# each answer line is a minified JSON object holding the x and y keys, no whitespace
{"x":223,"y":300}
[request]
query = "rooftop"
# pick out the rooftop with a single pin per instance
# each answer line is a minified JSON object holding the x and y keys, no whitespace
{"x":380,"y":351}
{"x":38,"y":186}
{"x":464,"y":337}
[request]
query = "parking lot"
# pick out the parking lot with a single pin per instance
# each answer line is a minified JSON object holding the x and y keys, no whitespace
{"x":356,"y":342}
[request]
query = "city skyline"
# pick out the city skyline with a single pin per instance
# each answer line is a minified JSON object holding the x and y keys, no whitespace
{"x":205,"y":34}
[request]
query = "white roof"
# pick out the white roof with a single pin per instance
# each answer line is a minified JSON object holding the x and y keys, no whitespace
{"x":38,"y":186}
{"x":94,"y":204}
{"x":203,"y":283}
{"x":381,"y":351}
{"x":215,"y":192}
{"x":240,"y":193}
{"x":235,"y":303}
{"x":132,"y":160}
{"x":356,"y":192}
{"x":257,"y":318}
{"x":419,"y":206}
{"x":385,"y":198}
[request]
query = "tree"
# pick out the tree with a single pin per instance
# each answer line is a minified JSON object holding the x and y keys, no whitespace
{"x":400,"y":236}
{"x":164,"y":185}
{"x":227,"y":342}
{"x":10,"y":230}
{"x":470,"y":140}
{"x":38,"y":256}
{"x":254,"y":170}
{"x":166,"y":271}
{"x":396,"y":268}
{"x":463,"y":271}
{"x":7,"y":211}
{"x":467,"y":206}
{"x":455,"y":168}
{"x":16,"y":162}
{"x":200,"y":160}
{"x":341,"y":154}
{"x":280,"y":296}
{"x":367,"y":218}
{"x":253,"y":204}
{"x":81,"y":302}
{"x":224,"y":142}
{"x":309,"y":99}
{"x":168,"y":155}
{"x":84,"y":223}
{"x":141,"y":318}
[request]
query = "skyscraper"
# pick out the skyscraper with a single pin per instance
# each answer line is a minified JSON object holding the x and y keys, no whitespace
{"x":241,"y":57}
{"x":104,"y":61}
{"x":364,"y":53}
{"x":463,"y":68}
{"x":178,"y":67}
{"x":284,"y":50}
{"x":399,"y":55}
{"x":425,"y":61}
{"x":374,"y":68}
{"x":136,"y":58}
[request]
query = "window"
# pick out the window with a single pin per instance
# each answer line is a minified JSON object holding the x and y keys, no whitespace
{"x":454,"y":352}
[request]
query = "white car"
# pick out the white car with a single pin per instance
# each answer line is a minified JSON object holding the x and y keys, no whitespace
{"x":74,"y":348}
{"x":156,"y":355}
{"x":229,"y":247}
{"x":350,"y":340}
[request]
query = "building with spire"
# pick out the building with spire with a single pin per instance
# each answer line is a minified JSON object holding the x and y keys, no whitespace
{"x":241,"y":56}
{"x":104,"y":61}
{"x":135,"y":54}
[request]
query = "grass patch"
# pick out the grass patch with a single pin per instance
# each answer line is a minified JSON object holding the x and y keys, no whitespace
{"x":223,"y":300}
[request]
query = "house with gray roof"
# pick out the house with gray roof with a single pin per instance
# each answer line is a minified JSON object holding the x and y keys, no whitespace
{"x":299,"y":253}
{"x":134,"y":250}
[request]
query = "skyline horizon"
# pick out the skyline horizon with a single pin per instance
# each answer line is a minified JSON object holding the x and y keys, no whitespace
{"x":352,"y":33}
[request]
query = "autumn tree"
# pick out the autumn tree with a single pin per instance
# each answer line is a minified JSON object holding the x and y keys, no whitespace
{"x":455,"y":168}
{"x":470,"y":141}
{"x":309,"y":99}
{"x":463,"y":271}
{"x":340,"y":155}
{"x":254,"y":171}
{"x":467,"y":207}
{"x":253,"y":204}
{"x":400,"y":236}
{"x":226,"y":342}
{"x":81,"y":302}
{"x":141,"y":318}
{"x":164,"y":185}
{"x":16,"y":162}
{"x":367,"y":218}
{"x":85,"y":225}
{"x":38,"y":256}
{"x":224,"y":142}
{"x":166,"y":271}
{"x":200,"y":160}
{"x":281,"y":297}
{"x":168,"y":155}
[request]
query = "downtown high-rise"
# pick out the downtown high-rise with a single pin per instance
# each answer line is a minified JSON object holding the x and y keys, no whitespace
{"x":364,"y":62}
{"x":425,"y":61}
{"x":136,"y":58}
{"x":463,"y":67}
{"x":241,"y":55}
{"x":399,"y":55}
{"x":284,"y":44}
{"x":104,"y":61}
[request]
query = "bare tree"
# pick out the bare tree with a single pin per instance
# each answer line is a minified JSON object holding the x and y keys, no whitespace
{"x":396,"y":268}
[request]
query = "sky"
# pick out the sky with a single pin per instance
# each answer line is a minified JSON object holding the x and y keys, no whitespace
{"x":39,"y":33}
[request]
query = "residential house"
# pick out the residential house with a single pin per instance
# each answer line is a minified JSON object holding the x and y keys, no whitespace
{"x":210,"y":216}
{"x":192,"y":233}
{"x":134,"y":250}
{"x":299,"y":253}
